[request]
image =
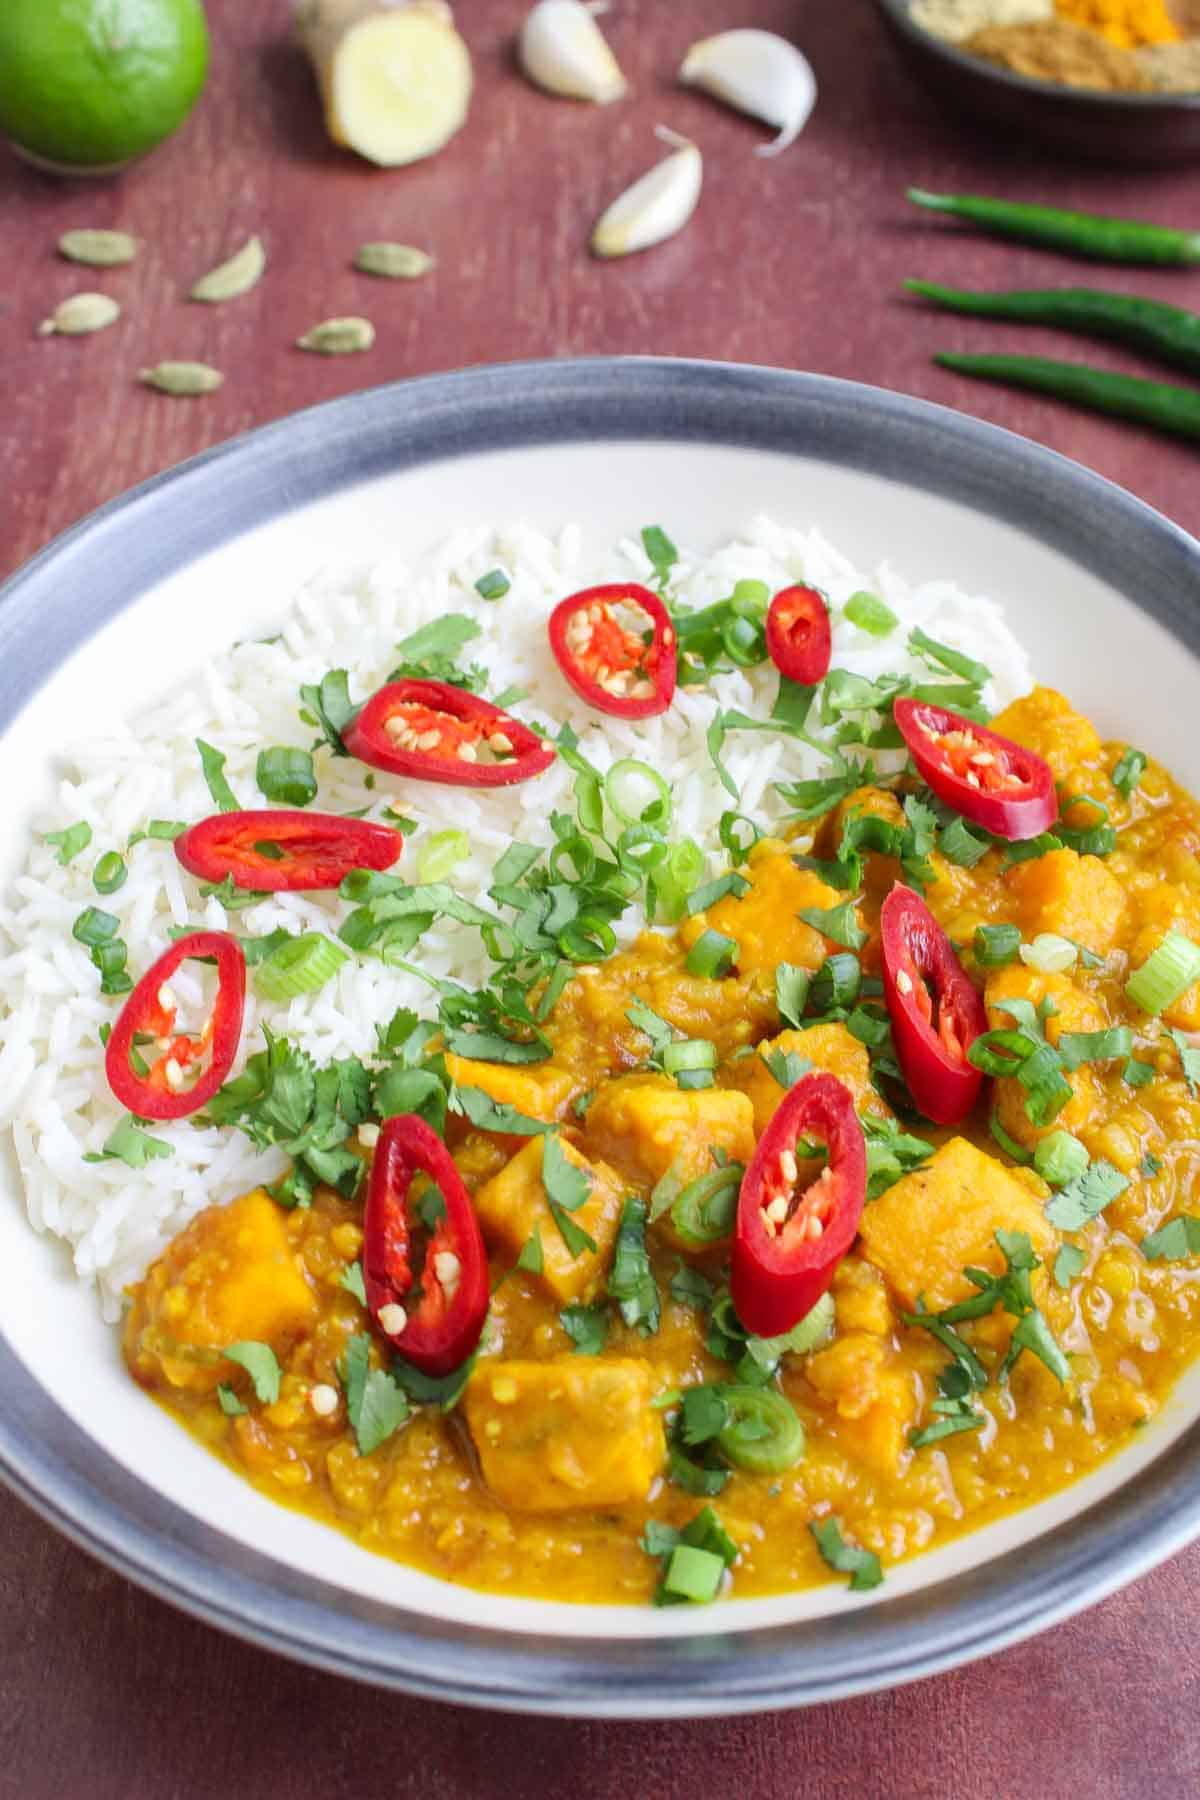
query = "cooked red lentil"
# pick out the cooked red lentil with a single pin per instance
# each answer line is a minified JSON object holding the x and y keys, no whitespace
{"x":570,"y":1436}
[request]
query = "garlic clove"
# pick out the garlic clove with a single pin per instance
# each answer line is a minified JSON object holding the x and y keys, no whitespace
{"x":563,"y":50}
{"x":759,"y":73}
{"x":659,"y":203}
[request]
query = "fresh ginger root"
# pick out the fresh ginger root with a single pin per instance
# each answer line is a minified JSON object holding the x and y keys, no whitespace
{"x":395,"y":76}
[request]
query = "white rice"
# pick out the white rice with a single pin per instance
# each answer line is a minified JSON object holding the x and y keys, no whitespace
{"x":53,"y":1093}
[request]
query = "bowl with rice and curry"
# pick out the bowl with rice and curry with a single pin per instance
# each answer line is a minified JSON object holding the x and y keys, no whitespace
{"x":1117,"y":80}
{"x":610,"y":1103}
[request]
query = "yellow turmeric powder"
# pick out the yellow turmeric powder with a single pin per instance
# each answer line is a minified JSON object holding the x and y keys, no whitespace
{"x":1126,"y":23}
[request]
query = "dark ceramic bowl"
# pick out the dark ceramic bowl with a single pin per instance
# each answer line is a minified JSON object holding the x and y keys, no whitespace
{"x":1104,"y":127}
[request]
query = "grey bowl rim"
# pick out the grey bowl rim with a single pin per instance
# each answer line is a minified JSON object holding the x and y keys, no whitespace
{"x":87,"y":1495}
{"x":899,"y":12}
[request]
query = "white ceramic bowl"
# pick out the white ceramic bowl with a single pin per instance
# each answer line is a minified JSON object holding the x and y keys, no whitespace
{"x":1105,"y":595}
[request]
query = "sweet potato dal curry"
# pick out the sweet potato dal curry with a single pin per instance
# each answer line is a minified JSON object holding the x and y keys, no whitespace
{"x":754,"y":1316}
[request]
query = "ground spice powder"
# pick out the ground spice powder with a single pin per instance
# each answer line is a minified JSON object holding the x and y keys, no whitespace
{"x":1058,"y":51}
{"x":1126,"y":23}
{"x":958,"y":20}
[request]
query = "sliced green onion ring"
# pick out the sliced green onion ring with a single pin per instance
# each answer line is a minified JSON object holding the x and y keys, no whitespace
{"x":678,"y":878}
{"x":704,"y":1212}
{"x":763,"y":1435}
{"x":642,"y":847}
{"x":712,"y":955}
{"x":441,"y":853}
{"x":300,"y":966}
{"x":870,"y":614}
{"x":579,"y":851}
{"x":110,"y":873}
{"x":285,"y":776}
{"x":1166,"y":976}
{"x":587,"y":939}
{"x":625,"y":790}
{"x":1060,"y":1159}
{"x":729,"y":831}
{"x":1049,"y":953}
{"x":688,"y":1055}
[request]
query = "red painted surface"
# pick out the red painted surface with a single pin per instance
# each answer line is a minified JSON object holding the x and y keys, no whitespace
{"x":796,"y":261}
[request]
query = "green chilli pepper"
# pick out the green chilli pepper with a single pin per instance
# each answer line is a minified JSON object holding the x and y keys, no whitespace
{"x":1171,"y":409}
{"x":1167,"y":332}
{"x":1078,"y":233}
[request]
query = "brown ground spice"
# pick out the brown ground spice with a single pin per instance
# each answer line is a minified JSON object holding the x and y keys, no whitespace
{"x":1060,"y":52}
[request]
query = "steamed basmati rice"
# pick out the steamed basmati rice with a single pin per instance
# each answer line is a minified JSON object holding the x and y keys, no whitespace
{"x":53,"y":1092}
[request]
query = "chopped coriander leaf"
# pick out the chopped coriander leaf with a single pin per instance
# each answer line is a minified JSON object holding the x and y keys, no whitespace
{"x":891,"y":1153}
{"x":631,"y":1280}
{"x":658,"y":1539}
{"x":164,"y":830}
{"x":532,"y":1257}
{"x":791,"y":992}
{"x":787,"y":1067}
{"x":836,"y":986}
{"x":129,"y":1144}
{"x":1151,"y":1165}
{"x":213,"y":764}
{"x":70,"y":842}
{"x":1173,"y":1242}
{"x":836,"y":922}
{"x":230,"y":1405}
{"x":351,"y":1278}
{"x":329,"y":707}
{"x":285,"y":776}
{"x":690,"y":1288}
{"x":870,"y":614}
{"x":493,"y":586}
{"x":1128,"y":771}
{"x":862,"y":1566}
{"x":662,"y":553}
{"x":962,"y":846}
{"x":586,"y":1326}
{"x":1068,"y":1264}
{"x":444,"y":1391}
{"x":566,"y":1185}
{"x":793,"y":703}
{"x":954,"y":1419}
{"x":487,"y":1114}
{"x":382,"y":1409}
{"x":996,"y":945}
{"x":1189,"y":1058}
{"x":1136,"y":1074}
{"x":1078,"y":1047}
{"x":443,"y":636}
{"x":573,"y":1236}
{"x":262,"y":1366}
{"x":812,"y":799}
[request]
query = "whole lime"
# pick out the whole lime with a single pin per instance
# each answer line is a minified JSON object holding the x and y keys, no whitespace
{"x":87,"y":85}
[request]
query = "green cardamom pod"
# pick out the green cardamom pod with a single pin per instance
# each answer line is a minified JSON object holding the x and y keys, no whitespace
{"x":237,"y":276}
{"x":338,"y":337}
{"x":102,"y":249}
{"x":182,"y":378}
{"x":400,"y":262}
{"x":80,"y":314}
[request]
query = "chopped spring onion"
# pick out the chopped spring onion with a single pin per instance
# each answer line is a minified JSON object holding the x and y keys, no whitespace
{"x":694,"y":1575}
{"x":738,"y":835}
{"x":1128,"y":771}
{"x":94,"y":927}
{"x":678,"y":877}
{"x":638,"y":794}
{"x":493,"y":586}
{"x":870,"y":614}
{"x":70,"y":842}
{"x":1060,"y":1159}
{"x":441,"y":853}
{"x":286,"y":776}
{"x":587,"y":939}
{"x":1050,"y":953}
{"x":762,"y":1432}
{"x":703,"y":1213}
{"x":300,"y":966}
{"x":1009,"y":1144}
{"x":712,"y":955}
{"x":996,"y":945}
{"x":1167,"y":975}
{"x":641,"y":848}
{"x":690,"y":1062}
{"x":837,"y":983}
{"x":110,"y":873}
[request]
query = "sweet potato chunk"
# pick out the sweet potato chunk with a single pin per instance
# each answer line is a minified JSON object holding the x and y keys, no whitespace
{"x":1045,"y":721}
{"x":230,"y":1275}
{"x":875,"y":1399}
{"x":1072,"y":895}
{"x":645,"y":1125}
{"x":923,"y":1231}
{"x":829,"y":1047}
{"x":575,"y":1432}
{"x":513,"y":1204}
{"x":764,"y":922}
{"x":1073,"y":1011}
{"x":540,"y":1093}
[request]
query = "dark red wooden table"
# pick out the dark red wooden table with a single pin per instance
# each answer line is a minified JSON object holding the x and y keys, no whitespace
{"x":103,"y":1691}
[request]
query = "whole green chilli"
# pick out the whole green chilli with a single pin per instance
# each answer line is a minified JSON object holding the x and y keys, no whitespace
{"x":1174,"y":410}
{"x":1078,"y":233}
{"x":1169,"y":333}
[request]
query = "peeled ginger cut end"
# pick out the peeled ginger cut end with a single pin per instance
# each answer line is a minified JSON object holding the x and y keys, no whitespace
{"x":399,"y":85}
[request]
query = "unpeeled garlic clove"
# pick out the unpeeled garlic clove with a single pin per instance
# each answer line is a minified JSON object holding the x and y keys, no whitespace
{"x":659,"y":203}
{"x":563,"y":50}
{"x":759,"y":73}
